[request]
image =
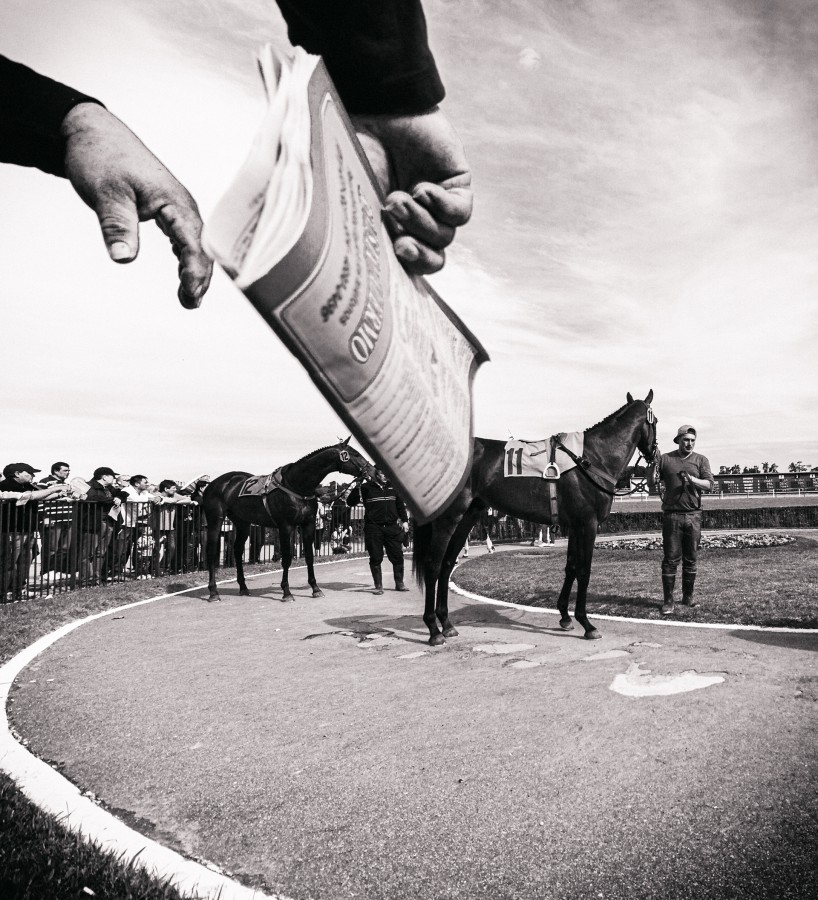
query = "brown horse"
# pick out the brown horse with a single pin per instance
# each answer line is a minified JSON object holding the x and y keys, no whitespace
{"x":292,"y":504}
{"x":584,"y":493}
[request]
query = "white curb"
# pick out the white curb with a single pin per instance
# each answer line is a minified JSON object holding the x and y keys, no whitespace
{"x":54,"y":794}
{"x":713,"y":625}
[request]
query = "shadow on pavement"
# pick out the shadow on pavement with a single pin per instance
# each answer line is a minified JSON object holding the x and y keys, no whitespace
{"x":774,"y":639}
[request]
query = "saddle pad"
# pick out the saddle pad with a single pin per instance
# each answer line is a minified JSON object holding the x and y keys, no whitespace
{"x":529,"y":458}
{"x":258,"y":486}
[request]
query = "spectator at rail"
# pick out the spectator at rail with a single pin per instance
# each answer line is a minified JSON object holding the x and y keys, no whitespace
{"x":98,"y":512}
{"x":57,"y":518}
{"x":134,"y":517}
{"x":685,"y":475}
{"x":341,"y":540}
{"x":19,"y":526}
{"x":385,"y":522}
{"x":167,"y":525}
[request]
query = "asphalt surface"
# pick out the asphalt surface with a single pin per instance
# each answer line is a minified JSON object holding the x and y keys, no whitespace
{"x":321,"y":749}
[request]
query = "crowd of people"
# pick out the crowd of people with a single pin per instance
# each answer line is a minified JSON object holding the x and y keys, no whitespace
{"x":57,"y":531}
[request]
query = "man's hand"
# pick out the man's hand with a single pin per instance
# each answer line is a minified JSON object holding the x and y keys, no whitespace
{"x":125,"y":184}
{"x":422,"y":169}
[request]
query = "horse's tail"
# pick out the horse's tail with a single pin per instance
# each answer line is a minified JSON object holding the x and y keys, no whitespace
{"x":421,"y":543}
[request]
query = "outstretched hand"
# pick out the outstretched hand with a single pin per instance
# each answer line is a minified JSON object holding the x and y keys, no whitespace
{"x":125,"y":184}
{"x":422,"y":168}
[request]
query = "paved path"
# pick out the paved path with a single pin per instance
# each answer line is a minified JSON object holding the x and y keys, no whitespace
{"x":322,"y":748}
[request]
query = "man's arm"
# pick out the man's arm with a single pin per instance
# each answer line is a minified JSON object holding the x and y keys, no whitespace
{"x":379,"y":59}
{"x":62,"y":131}
{"x":354,"y":497}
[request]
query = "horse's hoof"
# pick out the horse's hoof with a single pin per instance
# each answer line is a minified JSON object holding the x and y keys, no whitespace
{"x":566,"y":625}
{"x":213,"y":598}
{"x":244,"y":592}
{"x":318,"y":593}
{"x":592,"y":635}
{"x":436,"y":640}
{"x":450,"y":631}
{"x":288,"y":598}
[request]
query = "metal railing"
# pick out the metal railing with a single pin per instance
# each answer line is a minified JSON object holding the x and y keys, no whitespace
{"x":52,"y":547}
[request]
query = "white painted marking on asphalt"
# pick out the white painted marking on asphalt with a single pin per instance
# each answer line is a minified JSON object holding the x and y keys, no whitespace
{"x":523,"y":664}
{"x":415,"y":655}
{"x":502,"y":648}
{"x":637,"y":682}
{"x":608,"y":654}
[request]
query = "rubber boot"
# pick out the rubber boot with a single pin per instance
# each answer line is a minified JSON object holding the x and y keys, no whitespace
{"x":399,"y":585}
{"x":688,"y":585}
{"x":668,"y":584}
{"x":377,"y":578}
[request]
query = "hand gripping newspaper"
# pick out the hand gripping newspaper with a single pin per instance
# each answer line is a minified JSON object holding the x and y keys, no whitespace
{"x":300,"y":232}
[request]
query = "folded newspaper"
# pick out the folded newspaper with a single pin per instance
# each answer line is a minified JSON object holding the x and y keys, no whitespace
{"x":300,"y":232}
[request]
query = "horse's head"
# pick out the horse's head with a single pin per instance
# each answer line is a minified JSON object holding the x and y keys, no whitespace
{"x":350,"y":462}
{"x":647,"y":442}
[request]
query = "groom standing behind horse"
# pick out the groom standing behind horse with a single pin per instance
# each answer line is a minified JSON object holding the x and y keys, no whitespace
{"x":385,"y":523}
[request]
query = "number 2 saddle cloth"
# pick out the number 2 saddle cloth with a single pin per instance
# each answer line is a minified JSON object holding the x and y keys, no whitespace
{"x":529,"y":458}
{"x":259,"y":485}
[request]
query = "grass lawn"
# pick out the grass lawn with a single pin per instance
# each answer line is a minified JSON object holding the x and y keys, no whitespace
{"x":773,"y":586}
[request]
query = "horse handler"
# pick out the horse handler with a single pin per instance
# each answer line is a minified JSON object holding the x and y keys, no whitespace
{"x":685,"y":475}
{"x":385,"y":523}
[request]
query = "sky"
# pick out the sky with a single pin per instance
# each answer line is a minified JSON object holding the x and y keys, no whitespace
{"x":646,"y":217}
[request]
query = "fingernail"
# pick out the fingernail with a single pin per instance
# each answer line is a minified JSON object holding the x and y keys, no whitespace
{"x":120,"y":251}
{"x":398,"y":211}
{"x":409,"y":252}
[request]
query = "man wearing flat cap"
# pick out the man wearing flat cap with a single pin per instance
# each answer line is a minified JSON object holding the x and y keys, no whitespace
{"x":685,"y":475}
{"x":19,"y":525}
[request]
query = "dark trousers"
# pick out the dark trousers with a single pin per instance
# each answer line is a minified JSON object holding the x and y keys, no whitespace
{"x":15,"y":560}
{"x":56,"y":546}
{"x":681,"y":536}
{"x":93,"y":550}
{"x":378,"y":538}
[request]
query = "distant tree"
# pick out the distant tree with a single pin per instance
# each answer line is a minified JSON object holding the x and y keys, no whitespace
{"x":798,"y":467}
{"x":773,"y":467}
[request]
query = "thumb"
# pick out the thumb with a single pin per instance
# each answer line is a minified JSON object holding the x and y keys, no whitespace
{"x":119,"y":223}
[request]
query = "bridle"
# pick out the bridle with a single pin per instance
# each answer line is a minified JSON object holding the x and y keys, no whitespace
{"x":361,"y":465}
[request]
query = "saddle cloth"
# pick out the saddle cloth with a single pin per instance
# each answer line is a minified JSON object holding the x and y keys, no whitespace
{"x":529,"y":458}
{"x":259,"y":485}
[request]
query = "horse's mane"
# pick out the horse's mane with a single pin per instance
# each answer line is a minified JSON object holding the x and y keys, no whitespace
{"x":316,"y":452}
{"x":609,"y":417}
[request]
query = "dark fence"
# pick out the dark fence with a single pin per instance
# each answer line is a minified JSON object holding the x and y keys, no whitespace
{"x":717,"y":519}
{"x":53,"y":546}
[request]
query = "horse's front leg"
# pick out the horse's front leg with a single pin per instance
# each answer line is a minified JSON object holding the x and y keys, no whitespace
{"x":240,"y":532}
{"x":570,"y":576}
{"x":308,"y":537}
{"x":286,"y":534}
{"x":429,"y":617}
{"x":585,"y":555}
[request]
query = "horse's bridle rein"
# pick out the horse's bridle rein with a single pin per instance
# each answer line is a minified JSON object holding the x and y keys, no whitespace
{"x":585,"y":467}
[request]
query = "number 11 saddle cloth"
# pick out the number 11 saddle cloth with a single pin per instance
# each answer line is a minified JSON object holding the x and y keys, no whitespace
{"x":529,"y":459}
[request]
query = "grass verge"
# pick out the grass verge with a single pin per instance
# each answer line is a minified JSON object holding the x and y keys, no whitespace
{"x":769,"y":586}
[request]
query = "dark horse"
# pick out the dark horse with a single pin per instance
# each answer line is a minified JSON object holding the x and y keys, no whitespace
{"x":292,"y":505}
{"x":584,"y":499}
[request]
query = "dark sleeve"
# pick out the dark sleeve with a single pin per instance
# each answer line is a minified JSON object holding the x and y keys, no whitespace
{"x":401,"y":508}
{"x":32,"y":108}
{"x":354,"y":498}
{"x":97,"y":495}
{"x":376,"y":51}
